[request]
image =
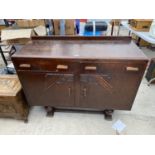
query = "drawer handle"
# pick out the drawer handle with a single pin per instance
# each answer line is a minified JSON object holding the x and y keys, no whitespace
{"x":84,"y":92}
{"x":65,"y":67}
{"x":132,"y":69}
{"x":69,"y":91}
{"x":90,"y":67}
{"x":25,"y":65}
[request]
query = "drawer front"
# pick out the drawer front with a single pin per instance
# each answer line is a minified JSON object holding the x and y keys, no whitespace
{"x":113,"y":67}
{"x":44,"y":65}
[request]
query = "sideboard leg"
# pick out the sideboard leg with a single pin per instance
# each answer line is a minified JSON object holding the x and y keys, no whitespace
{"x":49,"y":110}
{"x":108,"y":114}
{"x":26,"y":120}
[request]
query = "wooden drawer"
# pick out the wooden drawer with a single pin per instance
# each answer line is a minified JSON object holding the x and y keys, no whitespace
{"x":111,"y":67}
{"x":44,"y":65}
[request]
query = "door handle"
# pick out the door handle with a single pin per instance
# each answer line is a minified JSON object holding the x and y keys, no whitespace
{"x":84,"y":92}
{"x":25,"y":65}
{"x":90,"y":67}
{"x":135,"y":69}
{"x":69,"y":91}
{"x":64,"y":67}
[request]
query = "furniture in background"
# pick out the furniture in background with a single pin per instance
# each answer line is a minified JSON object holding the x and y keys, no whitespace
{"x":95,"y":28}
{"x":87,"y":73}
{"x":142,"y":25}
{"x":12,"y":100}
{"x":64,"y":26}
{"x":150,"y":75}
{"x":141,"y":34}
{"x":9,"y":22}
{"x":115,"y":22}
{"x":88,"y":22}
{"x":77,"y":26}
{"x":9,"y":49}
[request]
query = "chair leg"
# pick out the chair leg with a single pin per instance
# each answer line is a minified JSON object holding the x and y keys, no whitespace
{"x":151,"y":81}
{"x":12,"y":51}
{"x":3,"y":57}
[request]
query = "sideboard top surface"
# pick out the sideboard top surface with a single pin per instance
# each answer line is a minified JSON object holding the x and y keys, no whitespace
{"x":82,"y":49}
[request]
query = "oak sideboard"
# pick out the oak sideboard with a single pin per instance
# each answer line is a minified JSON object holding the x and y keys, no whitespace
{"x":84,"y":73}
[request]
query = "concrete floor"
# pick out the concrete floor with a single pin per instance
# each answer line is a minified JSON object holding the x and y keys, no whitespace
{"x":140,"y":120}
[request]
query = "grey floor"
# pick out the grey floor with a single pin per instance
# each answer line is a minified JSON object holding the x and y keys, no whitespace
{"x":140,"y":120}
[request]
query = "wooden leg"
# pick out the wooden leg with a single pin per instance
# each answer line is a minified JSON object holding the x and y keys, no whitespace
{"x":119,"y":27}
{"x":26,"y":120}
{"x":12,"y":51}
{"x":138,"y":42}
{"x":112,"y":28}
{"x":129,"y":33}
{"x":153,"y":79}
{"x":3,"y":57}
{"x":50,"y":111}
{"x":108,"y":114}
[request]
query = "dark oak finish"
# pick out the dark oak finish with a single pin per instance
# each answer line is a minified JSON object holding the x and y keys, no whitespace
{"x":96,"y":73}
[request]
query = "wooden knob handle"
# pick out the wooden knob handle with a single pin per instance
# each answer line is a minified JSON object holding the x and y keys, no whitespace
{"x":65,"y":67}
{"x":132,"y":69}
{"x":84,"y":92}
{"x":90,"y":68}
{"x":25,"y":65}
{"x":69,"y":91}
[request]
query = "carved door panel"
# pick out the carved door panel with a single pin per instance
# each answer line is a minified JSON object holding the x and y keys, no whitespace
{"x":59,"y":90}
{"x":110,"y":85}
{"x":96,"y":91}
{"x":48,"y":88}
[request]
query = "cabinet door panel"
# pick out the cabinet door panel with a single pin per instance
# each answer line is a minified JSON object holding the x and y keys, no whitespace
{"x":33,"y":84}
{"x":59,"y":89}
{"x":95,"y":91}
{"x":48,"y":88}
{"x":113,"y":88}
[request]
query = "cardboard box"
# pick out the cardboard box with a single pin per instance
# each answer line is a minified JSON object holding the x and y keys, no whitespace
{"x":69,"y":26}
{"x":116,"y":22}
{"x":16,"y":36}
{"x":2,"y":27}
{"x":140,"y":24}
{"x":23,"y":23}
{"x":40,"y":30}
{"x":56,"y":25}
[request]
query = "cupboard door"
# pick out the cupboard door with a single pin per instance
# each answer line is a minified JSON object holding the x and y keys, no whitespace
{"x":95,"y":91}
{"x":59,"y":90}
{"x":48,"y":88}
{"x":112,"y":86}
{"x":33,"y":86}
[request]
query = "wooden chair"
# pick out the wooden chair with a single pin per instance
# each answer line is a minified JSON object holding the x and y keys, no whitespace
{"x":150,"y":75}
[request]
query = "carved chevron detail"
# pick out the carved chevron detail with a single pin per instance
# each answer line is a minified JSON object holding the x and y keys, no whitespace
{"x":102,"y":82}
